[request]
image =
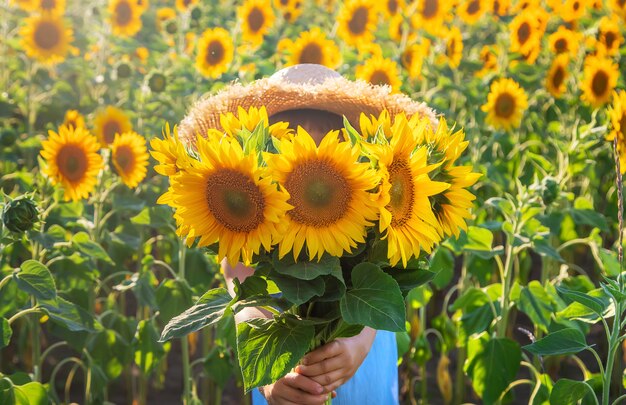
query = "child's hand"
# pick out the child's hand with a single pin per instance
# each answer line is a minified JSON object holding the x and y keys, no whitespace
{"x":336,"y":362}
{"x":294,"y":388}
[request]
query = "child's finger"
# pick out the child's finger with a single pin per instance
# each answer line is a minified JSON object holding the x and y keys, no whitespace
{"x":331,"y":349}
{"x":322,"y":367}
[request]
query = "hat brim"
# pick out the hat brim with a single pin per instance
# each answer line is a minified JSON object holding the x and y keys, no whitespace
{"x":336,"y":95}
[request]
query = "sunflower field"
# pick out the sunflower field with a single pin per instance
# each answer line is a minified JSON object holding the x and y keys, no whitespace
{"x":520,"y":295}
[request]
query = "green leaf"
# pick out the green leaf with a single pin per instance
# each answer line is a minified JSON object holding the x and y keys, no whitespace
{"x":85,"y":245}
{"x":155,"y":217}
{"x":537,"y":304}
{"x":408,"y":279}
{"x":148,"y":350}
{"x":109,"y":349}
{"x":33,"y":393}
{"x":569,"y":392}
{"x":218,"y":366}
{"x":269,"y":348}
{"x":597,"y":305}
{"x":299,"y":291}
{"x":492,"y":364}
{"x":35,"y":279}
{"x":5,"y":332}
{"x":374,"y":300}
{"x":70,"y":315}
{"x":564,"y":341}
{"x":251,"y":286}
{"x":306,"y":270}
{"x":210,"y":308}
{"x":589,"y":217}
{"x":442,"y":264}
{"x":173,"y":297}
{"x":144,"y":290}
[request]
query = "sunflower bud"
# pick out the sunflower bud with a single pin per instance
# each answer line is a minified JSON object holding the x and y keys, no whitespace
{"x":8,"y":137}
{"x":550,"y":190}
{"x":123,"y":70}
{"x":171,"y":27}
{"x":422,"y":352}
{"x":20,"y":215}
{"x":443,"y":379}
{"x":157,"y":82}
{"x":196,"y":13}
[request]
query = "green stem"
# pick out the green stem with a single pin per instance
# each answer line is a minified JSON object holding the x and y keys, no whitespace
{"x":5,"y":280}
{"x":506,"y":286}
{"x":613,"y":346}
{"x":36,"y":346}
{"x":22,"y":313}
{"x":184,"y":343}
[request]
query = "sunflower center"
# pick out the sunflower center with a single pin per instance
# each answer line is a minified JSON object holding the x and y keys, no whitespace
{"x":358,"y":22}
{"x":392,"y":6}
{"x":125,"y":158}
{"x":215,"y":52}
{"x":319,"y":192}
{"x":451,"y":47}
{"x":109,"y":129}
{"x":284,"y":2}
{"x":560,"y":45}
{"x":576,"y":6}
{"x":48,"y":4}
{"x":407,"y":58}
{"x":123,"y":13}
{"x":496,"y":7}
{"x":256,"y":19}
{"x":234,"y":200}
{"x":401,"y":192}
{"x":47,"y":35}
{"x":600,"y":83}
{"x":430,"y":8}
{"x":379,"y":77}
{"x":609,"y":38}
{"x":72,"y":162}
{"x":311,"y":53}
{"x":505,"y":105}
{"x":558,"y":77}
{"x":523,"y":33}
{"x":622,"y":124}
{"x":473,"y":7}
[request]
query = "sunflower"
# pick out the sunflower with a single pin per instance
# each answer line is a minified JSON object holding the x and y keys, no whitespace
{"x":564,"y":41}
{"x":609,"y":34}
{"x":617,"y":112}
{"x":249,"y":120}
{"x":125,"y":17}
{"x":471,"y":11}
{"x":401,"y":30}
{"x":413,"y":58}
{"x":557,"y":75}
{"x":74,"y":119}
{"x":618,"y":7}
{"x":169,"y":152}
{"x":599,"y":79}
{"x":72,"y":160}
{"x":256,"y":18}
{"x":46,"y":38}
{"x":489,"y":60}
{"x":184,"y":5}
{"x":573,"y":10}
{"x":505,"y":105}
{"x":313,"y":47}
{"x":357,"y":22}
{"x":380,"y":71}
{"x":290,"y":9}
{"x":525,"y":33}
{"x":56,"y":7}
{"x":328,"y":188}
{"x":454,"y":47}
{"x":163,"y":15}
{"x":501,"y":7}
{"x":224,"y":198}
{"x":109,"y":122}
{"x":129,"y":155}
{"x":215,"y":52}
{"x":392,"y":8}
{"x":431,"y":15}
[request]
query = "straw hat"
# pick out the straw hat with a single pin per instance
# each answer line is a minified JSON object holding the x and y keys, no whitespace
{"x":300,"y":87}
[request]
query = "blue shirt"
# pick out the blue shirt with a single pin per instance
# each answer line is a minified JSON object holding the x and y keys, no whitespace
{"x":375,"y":382}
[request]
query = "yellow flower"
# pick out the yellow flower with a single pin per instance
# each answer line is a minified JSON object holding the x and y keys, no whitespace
{"x":170,"y":153}
{"x":357,"y":22}
{"x":599,"y":79}
{"x":617,"y":112}
{"x":184,"y":5}
{"x":565,"y":41}
{"x":413,"y":58}
{"x":557,"y":75}
{"x":74,"y":119}
{"x":392,"y":8}
{"x":290,"y":9}
{"x":129,"y":155}
{"x":249,"y":120}
{"x":501,"y":7}
{"x":163,"y":15}
{"x":313,"y":47}
{"x":372,"y":124}
{"x":56,"y":7}
{"x":109,"y":122}
{"x":471,"y":11}
{"x":573,"y":10}
{"x":525,"y":33}
{"x":329,"y":190}
{"x":431,"y":15}
{"x":609,"y":34}
{"x":380,"y":71}
{"x":26,"y":5}
{"x":225,"y":198}
{"x":125,"y":17}
{"x":46,"y":38}
{"x":400,"y":28}
{"x":72,"y":160}
{"x":454,"y":47}
{"x":505,"y":105}
{"x":489,"y":59}
{"x":619,"y":8}
{"x":256,"y":18}
{"x":215,"y":52}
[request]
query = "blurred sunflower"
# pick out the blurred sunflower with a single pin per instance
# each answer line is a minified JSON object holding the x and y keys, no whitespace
{"x":557,"y":75}
{"x":609,"y":34}
{"x":380,"y":71}
{"x":617,"y":112}
{"x":290,"y":9}
{"x":26,"y":5}
{"x":489,"y":60}
{"x":74,"y":119}
{"x":312,"y":47}
{"x":143,"y":5}
{"x":392,"y":8}
{"x":215,"y":52}
{"x":125,"y":17}
{"x":525,"y":33}
{"x":471,"y":11}
{"x":256,"y":17}
{"x":522,"y":5}
{"x":505,"y":105}
{"x":328,"y":188}
{"x":619,"y":8}
{"x":163,"y":15}
{"x":129,"y":155}
{"x":357,"y":22}
{"x":454,"y":47}
{"x":249,"y":119}
{"x":56,"y":7}
{"x":600,"y":76}
{"x":184,"y":5}
{"x":224,"y":198}
{"x":413,"y":58}
{"x":400,"y":29}
{"x":501,"y":7}
{"x":72,"y":160}
{"x":573,"y":10}
{"x":46,"y":38}
{"x":431,"y":15}
{"x":108,"y":123}
{"x":564,"y":40}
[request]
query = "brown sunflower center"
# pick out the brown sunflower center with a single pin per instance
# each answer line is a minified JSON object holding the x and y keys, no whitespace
{"x":558,"y":77}
{"x":47,"y":35}
{"x":72,"y":162}
{"x":123,"y":13}
{"x":451,"y":47}
{"x":125,"y":158}
{"x":319,"y":192}
{"x":622,"y":124}
{"x":358,"y":22}
{"x":430,"y":8}
{"x":600,"y":83}
{"x":379,"y":77}
{"x":473,"y":7}
{"x":505,"y":105}
{"x":256,"y":19}
{"x":234,"y":200}
{"x":523,"y":33}
{"x":560,"y":45}
{"x":284,"y":2}
{"x":496,"y":7}
{"x":392,"y":6}
{"x":609,"y":39}
{"x":401,"y":192}
{"x":576,"y":6}
{"x":109,"y":129}
{"x":215,"y":52}
{"x":407,"y":58}
{"x":48,"y":4}
{"x":311,"y":53}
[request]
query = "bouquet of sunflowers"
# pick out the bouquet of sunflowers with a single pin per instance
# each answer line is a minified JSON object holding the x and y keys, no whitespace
{"x":338,"y":233}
